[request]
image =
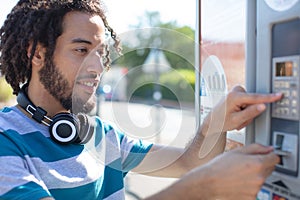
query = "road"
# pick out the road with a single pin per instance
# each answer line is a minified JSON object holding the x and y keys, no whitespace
{"x":154,"y":123}
{"x":173,"y":127}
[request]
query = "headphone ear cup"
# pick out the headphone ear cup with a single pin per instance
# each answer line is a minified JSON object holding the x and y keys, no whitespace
{"x":64,"y":128}
{"x":86,"y":128}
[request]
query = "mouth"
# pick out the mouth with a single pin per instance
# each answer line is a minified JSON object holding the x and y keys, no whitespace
{"x":88,"y":86}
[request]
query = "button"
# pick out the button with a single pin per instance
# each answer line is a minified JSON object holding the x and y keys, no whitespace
{"x":286,"y":102}
{"x":295,"y":73}
{"x":276,"y":84}
{"x":286,"y":93}
{"x":294,"y":93}
{"x":286,"y":84}
{"x":294,"y":112}
{"x":286,"y":111}
{"x":278,"y":111}
{"x":294,"y":103}
{"x":279,"y":103}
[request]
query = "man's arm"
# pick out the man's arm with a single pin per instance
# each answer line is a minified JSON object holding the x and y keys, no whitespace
{"x":238,"y":174}
{"x":236,"y":111}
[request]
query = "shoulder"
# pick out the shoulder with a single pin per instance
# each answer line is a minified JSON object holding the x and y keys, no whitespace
{"x":109,"y":127}
{"x":6,"y":110}
{"x":7,"y":116}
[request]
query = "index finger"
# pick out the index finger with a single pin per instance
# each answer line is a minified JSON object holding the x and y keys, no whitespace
{"x":255,"y":98}
{"x":255,"y":148}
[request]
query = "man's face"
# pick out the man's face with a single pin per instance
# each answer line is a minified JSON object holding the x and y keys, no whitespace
{"x":77,"y":62}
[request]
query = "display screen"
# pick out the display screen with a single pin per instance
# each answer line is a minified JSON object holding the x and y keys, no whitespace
{"x":284,"y":68}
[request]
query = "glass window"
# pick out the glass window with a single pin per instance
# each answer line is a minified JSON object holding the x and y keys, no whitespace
{"x":223,"y":25}
{"x":149,"y":91}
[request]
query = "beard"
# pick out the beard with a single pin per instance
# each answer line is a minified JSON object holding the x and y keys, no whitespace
{"x":58,"y":86}
{"x":83,"y":106}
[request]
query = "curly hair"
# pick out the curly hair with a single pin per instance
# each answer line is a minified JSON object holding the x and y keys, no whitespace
{"x":40,"y":22}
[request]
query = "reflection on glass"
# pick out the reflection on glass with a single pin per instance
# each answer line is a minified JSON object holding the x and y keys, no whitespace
{"x":149,"y":91}
{"x":223,"y":28}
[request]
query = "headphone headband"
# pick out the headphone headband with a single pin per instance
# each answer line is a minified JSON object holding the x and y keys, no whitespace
{"x":37,"y":113}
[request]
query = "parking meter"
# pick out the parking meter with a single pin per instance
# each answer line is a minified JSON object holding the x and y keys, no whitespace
{"x":273,"y":65}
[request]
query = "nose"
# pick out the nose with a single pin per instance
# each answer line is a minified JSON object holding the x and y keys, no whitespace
{"x":94,"y":63}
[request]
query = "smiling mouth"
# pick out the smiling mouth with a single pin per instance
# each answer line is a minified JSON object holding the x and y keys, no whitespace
{"x":90,"y":84}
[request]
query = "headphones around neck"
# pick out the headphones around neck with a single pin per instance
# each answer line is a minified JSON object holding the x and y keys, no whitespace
{"x":64,"y":128}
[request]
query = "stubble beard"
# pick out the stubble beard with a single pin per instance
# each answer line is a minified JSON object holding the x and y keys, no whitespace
{"x":57,"y":85}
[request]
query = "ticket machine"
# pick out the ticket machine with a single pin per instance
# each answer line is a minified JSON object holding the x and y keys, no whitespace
{"x":273,"y":65}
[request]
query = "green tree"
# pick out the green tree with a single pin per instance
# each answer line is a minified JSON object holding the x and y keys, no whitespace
{"x":150,"y":32}
{"x":177,"y":43}
{"x":6,"y":92}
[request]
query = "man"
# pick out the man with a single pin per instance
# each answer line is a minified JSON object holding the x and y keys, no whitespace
{"x":51,"y":150}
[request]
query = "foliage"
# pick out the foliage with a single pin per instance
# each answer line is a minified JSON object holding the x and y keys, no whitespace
{"x":176,"y":42}
{"x":5,"y":90}
{"x":177,"y":85}
{"x":181,"y":83}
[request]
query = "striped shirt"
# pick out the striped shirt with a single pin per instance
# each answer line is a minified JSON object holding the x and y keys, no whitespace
{"x":32,"y":166}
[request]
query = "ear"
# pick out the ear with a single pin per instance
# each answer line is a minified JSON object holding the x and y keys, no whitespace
{"x":39,"y":54}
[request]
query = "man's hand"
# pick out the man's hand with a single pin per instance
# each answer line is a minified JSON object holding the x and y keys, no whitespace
{"x":234,"y":175}
{"x":237,"y":110}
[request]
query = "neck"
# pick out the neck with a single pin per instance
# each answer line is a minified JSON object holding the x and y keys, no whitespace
{"x":42,"y":98}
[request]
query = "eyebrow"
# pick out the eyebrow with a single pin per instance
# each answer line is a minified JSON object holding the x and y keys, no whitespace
{"x":79,"y":40}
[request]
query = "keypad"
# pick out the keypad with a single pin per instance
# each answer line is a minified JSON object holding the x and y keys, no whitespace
{"x":288,"y":107}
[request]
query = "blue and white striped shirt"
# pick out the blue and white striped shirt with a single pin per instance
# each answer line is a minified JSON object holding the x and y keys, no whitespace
{"x":32,"y":166}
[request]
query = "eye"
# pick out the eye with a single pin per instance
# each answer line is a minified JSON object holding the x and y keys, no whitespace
{"x":81,"y":50}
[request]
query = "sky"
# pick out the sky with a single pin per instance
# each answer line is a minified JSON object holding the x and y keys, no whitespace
{"x":224,"y":19}
{"x":122,"y":13}
{"x":6,"y":6}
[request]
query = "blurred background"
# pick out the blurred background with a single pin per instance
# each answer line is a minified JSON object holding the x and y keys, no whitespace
{"x":149,"y":92}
